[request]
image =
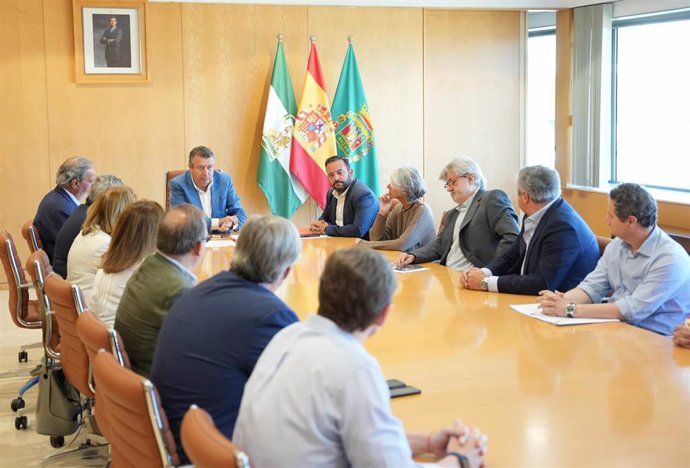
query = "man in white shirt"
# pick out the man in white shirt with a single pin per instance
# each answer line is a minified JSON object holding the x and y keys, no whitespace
{"x":316,"y":398}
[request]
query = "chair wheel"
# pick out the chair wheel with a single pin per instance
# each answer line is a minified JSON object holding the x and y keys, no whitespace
{"x":23,"y":356}
{"x":57,"y":441}
{"x":17,"y":404}
{"x":21,"y":422}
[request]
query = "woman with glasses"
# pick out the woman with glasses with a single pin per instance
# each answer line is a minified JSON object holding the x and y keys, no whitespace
{"x":403,"y":222}
{"x":133,"y":240}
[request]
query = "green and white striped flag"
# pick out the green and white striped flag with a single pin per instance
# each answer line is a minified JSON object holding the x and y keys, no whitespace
{"x":283,"y":192}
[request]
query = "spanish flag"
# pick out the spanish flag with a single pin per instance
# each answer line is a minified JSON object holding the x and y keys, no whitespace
{"x":313,"y":137}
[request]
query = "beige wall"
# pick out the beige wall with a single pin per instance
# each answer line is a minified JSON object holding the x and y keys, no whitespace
{"x":439,"y":83}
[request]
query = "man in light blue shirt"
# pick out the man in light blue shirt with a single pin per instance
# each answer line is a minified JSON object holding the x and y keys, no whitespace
{"x":322,"y":396}
{"x":646,"y":272}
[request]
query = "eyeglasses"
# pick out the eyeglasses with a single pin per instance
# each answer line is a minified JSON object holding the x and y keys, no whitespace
{"x":451,"y":182}
{"x":205,"y":239}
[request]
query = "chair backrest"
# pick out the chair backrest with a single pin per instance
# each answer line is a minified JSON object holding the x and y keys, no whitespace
{"x":170,"y":175}
{"x":205,"y":445}
{"x":38,"y":267}
{"x":31,"y":236}
{"x":135,"y":423}
{"x":603,"y":242}
{"x":73,"y":356}
{"x":96,"y":335}
{"x":25,"y":313}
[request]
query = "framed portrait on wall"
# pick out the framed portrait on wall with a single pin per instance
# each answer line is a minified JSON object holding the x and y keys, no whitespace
{"x":110,"y":41}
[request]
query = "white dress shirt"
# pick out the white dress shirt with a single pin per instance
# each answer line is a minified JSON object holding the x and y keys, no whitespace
{"x":107,"y":292}
{"x":456,"y":259}
{"x":340,"y":206}
{"x":317,"y":398}
{"x":205,"y":197}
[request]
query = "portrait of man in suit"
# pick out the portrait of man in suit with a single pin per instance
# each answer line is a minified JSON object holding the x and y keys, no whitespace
{"x":112,"y":33}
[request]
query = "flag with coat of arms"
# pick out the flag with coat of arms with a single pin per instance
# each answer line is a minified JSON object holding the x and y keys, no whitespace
{"x":354,"y":132}
{"x":284,"y":193}
{"x":313,"y":138}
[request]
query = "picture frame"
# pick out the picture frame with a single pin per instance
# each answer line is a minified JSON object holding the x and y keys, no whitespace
{"x":110,"y":41}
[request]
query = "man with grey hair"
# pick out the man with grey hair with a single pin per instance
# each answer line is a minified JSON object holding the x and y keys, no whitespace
{"x":645,"y":272}
{"x":159,"y":281}
{"x":70,"y":230}
{"x":319,"y":393}
{"x":73,"y":182}
{"x":480,"y":228}
{"x":556,"y":249}
{"x":215,"y":332}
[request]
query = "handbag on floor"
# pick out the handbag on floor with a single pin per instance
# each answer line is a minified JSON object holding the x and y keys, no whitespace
{"x":58,"y":407}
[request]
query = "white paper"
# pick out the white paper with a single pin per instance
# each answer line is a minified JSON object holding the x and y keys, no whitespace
{"x":410,"y":269}
{"x":532,"y":310}
{"x":220,"y":243}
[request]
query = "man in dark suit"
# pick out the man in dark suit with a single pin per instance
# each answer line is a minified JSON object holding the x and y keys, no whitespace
{"x":555,"y":250}
{"x":209,"y":190}
{"x":71,"y":228}
{"x":73,"y":182}
{"x":350,"y":208}
{"x":480,"y":228}
{"x":214,"y":333}
{"x":112,"y":40}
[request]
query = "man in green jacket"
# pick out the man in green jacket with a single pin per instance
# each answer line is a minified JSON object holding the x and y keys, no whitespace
{"x":159,"y":281}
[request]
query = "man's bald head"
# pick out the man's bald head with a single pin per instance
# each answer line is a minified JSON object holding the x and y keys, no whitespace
{"x":181,"y":229}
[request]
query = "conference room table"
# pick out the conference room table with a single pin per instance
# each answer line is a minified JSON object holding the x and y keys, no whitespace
{"x":597,"y":395}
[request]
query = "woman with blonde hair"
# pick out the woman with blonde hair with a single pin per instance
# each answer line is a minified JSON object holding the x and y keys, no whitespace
{"x":89,"y":246}
{"x":133,"y":240}
{"x":403,"y":222}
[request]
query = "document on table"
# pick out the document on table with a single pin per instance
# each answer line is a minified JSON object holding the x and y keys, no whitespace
{"x":532,"y":310}
{"x":409,"y":268}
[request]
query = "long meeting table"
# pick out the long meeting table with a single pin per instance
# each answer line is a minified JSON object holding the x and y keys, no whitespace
{"x":600,"y":395}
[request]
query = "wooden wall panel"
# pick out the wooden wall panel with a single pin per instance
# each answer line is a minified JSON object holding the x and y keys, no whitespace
{"x":135,"y":131}
{"x":24,"y":172}
{"x":228,"y":58}
{"x":471,"y":96}
{"x":388,"y":44}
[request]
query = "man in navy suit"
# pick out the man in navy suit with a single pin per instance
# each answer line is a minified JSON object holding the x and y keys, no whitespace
{"x":350,"y":208}
{"x":73,"y":182}
{"x":214,"y":333}
{"x":555,"y":250}
{"x":72,"y":227}
{"x":209,"y":190}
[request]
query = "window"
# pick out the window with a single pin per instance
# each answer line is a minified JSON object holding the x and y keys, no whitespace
{"x":651,"y":101}
{"x":541,"y":97}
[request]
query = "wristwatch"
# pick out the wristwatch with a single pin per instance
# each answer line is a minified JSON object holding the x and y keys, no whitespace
{"x":484,"y":284}
{"x":570,"y":310}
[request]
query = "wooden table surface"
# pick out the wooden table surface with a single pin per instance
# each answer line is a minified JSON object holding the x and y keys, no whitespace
{"x":589,"y":395}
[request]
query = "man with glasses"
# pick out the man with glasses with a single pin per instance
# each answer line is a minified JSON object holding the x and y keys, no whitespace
{"x":209,"y":190}
{"x":480,"y":228}
{"x":159,"y":281}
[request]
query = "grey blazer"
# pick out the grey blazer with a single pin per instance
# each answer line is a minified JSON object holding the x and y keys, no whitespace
{"x":489,"y":229}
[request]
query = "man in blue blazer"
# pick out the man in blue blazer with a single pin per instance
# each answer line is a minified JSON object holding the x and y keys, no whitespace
{"x":213,"y":335}
{"x":73,"y":182}
{"x":555,"y":250}
{"x":209,"y":190}
{"x":351,"y":206}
